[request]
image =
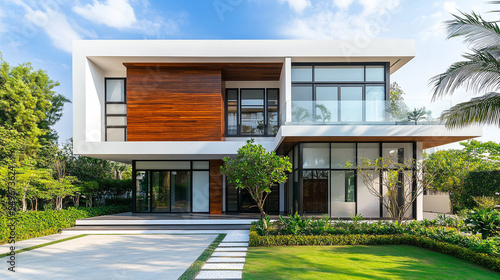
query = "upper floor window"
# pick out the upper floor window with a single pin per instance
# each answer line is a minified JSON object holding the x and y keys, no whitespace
{"x":116,"y":109}
{"x":329,"y":93}
{"x":252,"y":112}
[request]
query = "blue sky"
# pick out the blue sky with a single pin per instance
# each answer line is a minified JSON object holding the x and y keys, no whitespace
{"x":41,"y":32}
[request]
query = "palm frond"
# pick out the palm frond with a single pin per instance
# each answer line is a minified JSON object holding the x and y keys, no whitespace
{"x":479,"y":73}
{"x":477,"y":32}
{"x":479,"y":110}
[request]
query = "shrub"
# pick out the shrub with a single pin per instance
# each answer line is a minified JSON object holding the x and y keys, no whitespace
{"x":483,"y":221}
{"x":32,"y":224}
{"x":477,"y":183}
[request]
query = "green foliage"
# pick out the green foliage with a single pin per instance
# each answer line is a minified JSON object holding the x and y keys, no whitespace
{"x":466,"y":173}
{"x":484,"y":202}
{"x":32,"y":224}
{"x":483,"y":221}
{"x":297,"y":227}
{"x":257,"y":171}
{"x":261,"y":225}
{"x":479,"y":72}
{"x":420,"y":114}
{"x":28,"y":104}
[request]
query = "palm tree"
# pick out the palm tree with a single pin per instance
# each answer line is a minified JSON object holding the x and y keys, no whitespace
{"x":480,"y":73}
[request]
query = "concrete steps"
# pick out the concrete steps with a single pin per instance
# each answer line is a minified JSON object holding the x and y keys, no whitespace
{"x":155,"y":224}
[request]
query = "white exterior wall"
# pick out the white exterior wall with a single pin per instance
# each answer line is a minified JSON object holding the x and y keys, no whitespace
{"x":420,"y":200}
{"x":439,"y":203}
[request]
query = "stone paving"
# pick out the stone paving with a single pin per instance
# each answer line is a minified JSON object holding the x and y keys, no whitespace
{"x":228,"y":259}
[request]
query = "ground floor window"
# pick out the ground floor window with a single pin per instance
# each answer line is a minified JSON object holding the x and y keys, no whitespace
{"x":171,"y":186}
{"x":322,"y":183}
{"x":240,"y":201}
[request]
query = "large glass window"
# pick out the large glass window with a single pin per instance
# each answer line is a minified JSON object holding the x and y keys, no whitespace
{"x":315,"y":155}
{"x":171,"y":186}
{"x":252,"y":112}
{"x":272,"y":111}
{"x":116,"y":109}
{"x":339,"y":74}
{"x":326,"y":107}
{"x":338,"y":93}
{"x":323,"y":182}
{"x":351,"y":105}
{"x":232,"y":111}
{"x":302,"y":105}
{"x":343,"y":194}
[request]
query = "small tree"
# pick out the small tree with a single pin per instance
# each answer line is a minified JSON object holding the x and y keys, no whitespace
{"x":402,"y":181}
{"x":257,"y":171}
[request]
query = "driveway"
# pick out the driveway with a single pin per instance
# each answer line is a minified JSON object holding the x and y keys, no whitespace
{"x":144,"y":256}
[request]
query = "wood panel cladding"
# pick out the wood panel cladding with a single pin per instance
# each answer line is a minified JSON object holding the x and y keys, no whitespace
{"x":230,"y":71}
{"x":215,"y":187}
{"x":174,"y":104}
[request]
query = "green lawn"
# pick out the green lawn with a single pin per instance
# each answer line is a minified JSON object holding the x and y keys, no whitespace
{"x":358,"y":262}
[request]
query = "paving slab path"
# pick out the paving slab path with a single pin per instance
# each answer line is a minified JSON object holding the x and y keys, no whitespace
{"x":228,"y":259}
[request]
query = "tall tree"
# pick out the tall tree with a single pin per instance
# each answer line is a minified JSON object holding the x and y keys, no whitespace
{"x":28,"y":104}
{"x":479,"y":72}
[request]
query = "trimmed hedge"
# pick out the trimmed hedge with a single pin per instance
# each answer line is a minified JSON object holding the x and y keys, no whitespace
{"x":477,"y":183}
{"x":32,"y":224}
{"x":467,"y":254}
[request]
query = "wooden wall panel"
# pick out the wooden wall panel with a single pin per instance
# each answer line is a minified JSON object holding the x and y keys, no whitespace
{"x":230,"y":71}
{"x":174,"y":104}
{"x":215,"y":187}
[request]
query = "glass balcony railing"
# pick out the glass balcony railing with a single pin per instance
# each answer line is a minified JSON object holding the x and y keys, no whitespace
{"x":407,"y":112}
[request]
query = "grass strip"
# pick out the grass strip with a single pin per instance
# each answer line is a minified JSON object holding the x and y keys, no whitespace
{"x":193,"y":270}
{"x":43,"y":245}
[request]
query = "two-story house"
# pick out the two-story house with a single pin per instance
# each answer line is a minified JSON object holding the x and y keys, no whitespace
{"x":175,"y":108}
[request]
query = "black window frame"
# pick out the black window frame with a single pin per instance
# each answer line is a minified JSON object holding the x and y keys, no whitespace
{"x":339,"y":84}
{"x":191,"y":169}
{"x":298,"y":197}
{"x":106,"y":102}
{"x":238,"y":112}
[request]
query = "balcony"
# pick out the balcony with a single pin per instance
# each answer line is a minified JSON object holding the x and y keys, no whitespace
{"x":347,"y":112}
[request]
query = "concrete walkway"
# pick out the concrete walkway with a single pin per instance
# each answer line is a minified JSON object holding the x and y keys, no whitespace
{"x":145,"y":256}
{"x":227,"y":261}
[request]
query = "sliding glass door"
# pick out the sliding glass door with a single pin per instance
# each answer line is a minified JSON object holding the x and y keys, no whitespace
{"x":171,"y":191}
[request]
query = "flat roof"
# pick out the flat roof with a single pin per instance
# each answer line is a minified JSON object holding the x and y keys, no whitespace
{"x":110,"y":55}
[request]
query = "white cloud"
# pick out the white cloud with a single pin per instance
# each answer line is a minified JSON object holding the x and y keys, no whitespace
{"x":113,"y":13}
{"x":450,"y":7}
{"x":378,"y":6}
{"x":120,"y":14}
{"x":54,"y":24}
{"x":343,"y":4}
{"x":297,"y":5}
{"x":325,"y":21}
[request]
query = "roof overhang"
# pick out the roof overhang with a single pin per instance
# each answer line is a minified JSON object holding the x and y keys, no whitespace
{"x":109,"y":55}
{"x":430,"y":135}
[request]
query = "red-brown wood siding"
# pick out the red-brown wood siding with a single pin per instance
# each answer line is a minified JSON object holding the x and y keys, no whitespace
{"x":215,"y":187}
{"x":174,"y":104}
